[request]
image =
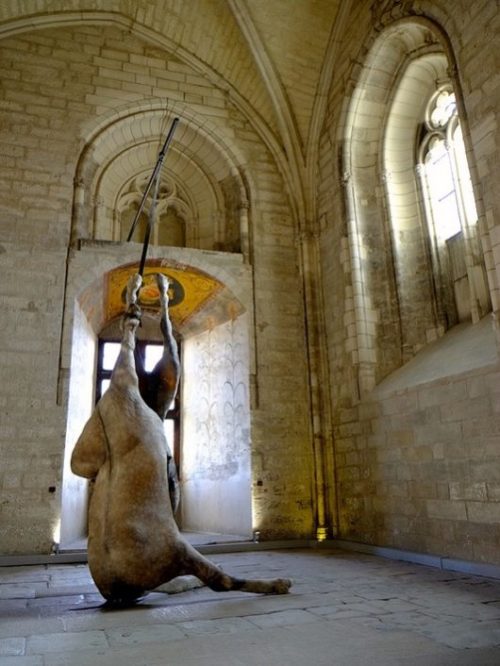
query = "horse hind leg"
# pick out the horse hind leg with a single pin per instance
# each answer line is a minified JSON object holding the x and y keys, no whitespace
{"x":164,"y":380}
{"x":216,"y":579}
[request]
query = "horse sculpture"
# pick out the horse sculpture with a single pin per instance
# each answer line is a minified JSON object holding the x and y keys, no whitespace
{"x":134,"y":544}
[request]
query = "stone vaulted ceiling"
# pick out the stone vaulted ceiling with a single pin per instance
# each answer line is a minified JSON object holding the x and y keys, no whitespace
{"x":270,"y":56}
{"x":295,"y":34}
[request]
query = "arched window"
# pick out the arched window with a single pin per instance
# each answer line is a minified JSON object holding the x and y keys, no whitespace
{"x":444,"y":170}
{"x":450,"y":208}
{"x":414,"y":246}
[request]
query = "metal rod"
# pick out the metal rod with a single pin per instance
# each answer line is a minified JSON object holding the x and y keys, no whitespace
{"x":154,"y":175}
{"x":151,"y":221}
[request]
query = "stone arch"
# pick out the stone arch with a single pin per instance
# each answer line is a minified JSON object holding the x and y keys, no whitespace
{"x":222,"y":136}
{"x":207,"y":173}
{"x":217,"y":351}
{"x":392,"y":282}
{"x":426,"y":71}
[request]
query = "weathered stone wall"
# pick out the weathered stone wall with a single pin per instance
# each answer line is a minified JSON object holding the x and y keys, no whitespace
{"x":419,"y":468}
{"x":55,"y":83}
{"x":282,"y":450}
{"x":80,"y":404}
{"x":416,"y":468}
{"x":216,"y":458}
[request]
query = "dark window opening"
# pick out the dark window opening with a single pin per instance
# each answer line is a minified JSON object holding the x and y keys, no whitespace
{"x":148,"y":353}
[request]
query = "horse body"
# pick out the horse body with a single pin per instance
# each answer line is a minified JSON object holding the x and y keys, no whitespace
{"x":134,"y":544}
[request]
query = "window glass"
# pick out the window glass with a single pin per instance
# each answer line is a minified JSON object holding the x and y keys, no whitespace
{"x":169,"y":425}
{"x":152,"y":355}
{"x":110,"y":354}
{"x":105,"y":385}
{"x":442,"y":190}
{"x":446,"y":173}
{"x":464,"y":176}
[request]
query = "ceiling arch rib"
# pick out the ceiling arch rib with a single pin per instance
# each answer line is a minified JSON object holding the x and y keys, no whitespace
{"x":130,"y":151}
{"x":286,"y":121}
{"x":319,"y":109}
{"x":214,"y":136}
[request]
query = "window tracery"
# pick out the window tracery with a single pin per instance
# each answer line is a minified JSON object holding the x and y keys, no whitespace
{"x":171,"y":213}
{"x":444,"y":171}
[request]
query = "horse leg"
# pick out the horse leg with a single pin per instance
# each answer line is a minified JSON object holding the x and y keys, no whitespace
{"x":195,"y":564}
{"x":159,"y":387}
{"x":124,"y":372}
{"x":164,"y":378}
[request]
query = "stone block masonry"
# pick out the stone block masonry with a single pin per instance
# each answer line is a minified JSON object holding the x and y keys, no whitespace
{"x":432,"y":486}
{"x":59,"y":85}
{"x":417,"y":468}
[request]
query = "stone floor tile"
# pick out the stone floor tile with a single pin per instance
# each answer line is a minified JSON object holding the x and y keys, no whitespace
{"x":11,"y":607}
{"x":25,"y":573}
{"x":328,"y":609}
{"x":17,"y":591}
{"x":33,"y":660}
{"x":23,"y":626}
{"x":83,"y":640}
{"x":12,"y":646}
{"x":52,"y":604}
{"x":466,"y":635}
{"x":343,"y":615}
{"x":414,"y":619}
{"x":228,"y":625}
{"x":282,"y":618}
{"x":96,"y":617}
{"x":68,"y":589}
{"x":157,"y":633}
{"x":101,"y":657}
{"x":362,"y":607}
{"x":473,"y":657}
{"x":393,"y":605}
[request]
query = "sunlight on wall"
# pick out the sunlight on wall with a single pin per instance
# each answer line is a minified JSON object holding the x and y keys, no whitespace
{"x":56,"y":533}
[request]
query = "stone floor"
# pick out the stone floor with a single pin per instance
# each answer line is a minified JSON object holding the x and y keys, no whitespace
{"x":344,"y":609}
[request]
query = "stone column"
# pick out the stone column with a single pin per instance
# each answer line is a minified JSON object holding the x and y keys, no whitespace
{"x":363,"y":353}
{"x":322,"y":437}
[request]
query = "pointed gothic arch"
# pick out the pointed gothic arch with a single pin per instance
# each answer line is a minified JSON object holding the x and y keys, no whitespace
{"x":396,"y":283}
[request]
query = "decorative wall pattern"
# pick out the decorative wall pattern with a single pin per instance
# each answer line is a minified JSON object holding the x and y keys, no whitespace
{"x":189,"y":292}
{"x":215,"y":466}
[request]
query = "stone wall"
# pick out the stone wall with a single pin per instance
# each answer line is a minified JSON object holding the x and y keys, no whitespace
{"x":57,"y":85}
{"x":416,"y":467}
{"x":215,"y":466}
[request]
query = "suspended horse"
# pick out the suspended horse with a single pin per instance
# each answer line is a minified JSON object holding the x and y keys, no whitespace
{"x":134,"y":543}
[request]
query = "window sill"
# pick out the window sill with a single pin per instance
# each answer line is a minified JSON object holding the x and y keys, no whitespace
{"x":465,"y":348}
